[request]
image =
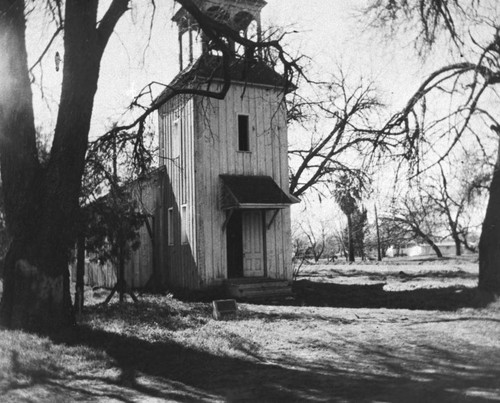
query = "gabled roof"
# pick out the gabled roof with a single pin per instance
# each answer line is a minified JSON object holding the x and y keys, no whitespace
{"x":253,"y":192}
{"x":209,"y":69}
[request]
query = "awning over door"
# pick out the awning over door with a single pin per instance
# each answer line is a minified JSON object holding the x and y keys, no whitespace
{"x":253,"y":192}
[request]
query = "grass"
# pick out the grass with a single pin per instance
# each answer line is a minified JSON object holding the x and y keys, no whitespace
{"x":355,"y":347}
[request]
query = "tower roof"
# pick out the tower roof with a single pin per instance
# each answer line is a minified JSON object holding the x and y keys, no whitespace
{"x":209,"y":69}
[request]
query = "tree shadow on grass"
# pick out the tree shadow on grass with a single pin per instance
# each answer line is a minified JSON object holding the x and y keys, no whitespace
{"x":402,"y":275}
{"x":313,"y":293}
{"x":348,"y":370}
{"x":168,"y":371}
{"x":168,"y":316}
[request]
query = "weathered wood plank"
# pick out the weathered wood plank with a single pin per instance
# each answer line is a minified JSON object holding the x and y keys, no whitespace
{"x":210,"y":148}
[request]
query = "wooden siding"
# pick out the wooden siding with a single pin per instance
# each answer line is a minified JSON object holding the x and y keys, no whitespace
{"x":208,"y":147}
{"x":96,"y":274}
{"x":216,"y":152}
{"x":178,"y":261}
{"x":139,"y":268}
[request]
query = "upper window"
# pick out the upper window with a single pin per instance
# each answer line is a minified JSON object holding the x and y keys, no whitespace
{"x":176,"y":139}
{"x":243,"y":131}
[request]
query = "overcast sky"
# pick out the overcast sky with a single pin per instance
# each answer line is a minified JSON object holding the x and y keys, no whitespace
{"x":327,"y":31}
{"x":330,"y":32}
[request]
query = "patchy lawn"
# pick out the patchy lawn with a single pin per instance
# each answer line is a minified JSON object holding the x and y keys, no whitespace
{"x":394,"y":333}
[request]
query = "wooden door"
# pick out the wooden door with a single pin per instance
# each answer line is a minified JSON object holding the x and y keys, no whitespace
{"x":234,"y":246}
{"x":253,"y":244}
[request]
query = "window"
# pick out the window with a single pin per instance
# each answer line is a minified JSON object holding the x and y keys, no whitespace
{"x":184,"y":223}
{"x":176,"y":139}
{"x":170,"y":226}
{"x":164,"y":138}
{"x":186,"y":48}
{"x":243,"y":143}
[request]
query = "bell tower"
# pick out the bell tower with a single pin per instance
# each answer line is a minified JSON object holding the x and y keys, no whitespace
{"x":224,"y":202}
{"x":241,"y":15}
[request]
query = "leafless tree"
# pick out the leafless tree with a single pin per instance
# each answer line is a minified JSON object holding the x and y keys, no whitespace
{"x":454,"y":194}
{"x":426,"y":19}
{"x":316,"y":239}
{"x":415,"y":214}
{"x":299,"y":247}
{"x":471,"y":84}
{"x":42,"y":200}
{"x":343,"y":143}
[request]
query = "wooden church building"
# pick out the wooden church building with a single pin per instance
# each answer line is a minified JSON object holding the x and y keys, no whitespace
{"x":222,"y":205}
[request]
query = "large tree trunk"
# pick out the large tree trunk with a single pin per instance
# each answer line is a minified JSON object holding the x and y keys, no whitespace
{"x":41,"y":203}
{"x":31,"y":293}
{"x":489,"y":243}
{"x":36,"y":293}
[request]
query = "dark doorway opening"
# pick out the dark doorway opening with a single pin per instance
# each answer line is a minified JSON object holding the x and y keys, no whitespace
{"x":234,"y":237}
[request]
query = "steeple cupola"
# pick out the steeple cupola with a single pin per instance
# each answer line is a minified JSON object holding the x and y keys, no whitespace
{"x":241,"y":15}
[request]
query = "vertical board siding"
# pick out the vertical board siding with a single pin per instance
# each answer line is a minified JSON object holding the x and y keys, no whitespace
{"x":96,"y":274}
{"x":209,"y":148}
{"x":216,"y":151}
{"x":178,"y":261}
{"x":199,"y":186}
{"x":139,"y":266}
{"x":285,"y":215}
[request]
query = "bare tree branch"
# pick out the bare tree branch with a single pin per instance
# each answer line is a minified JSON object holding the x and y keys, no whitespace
{"x":108,"y":23}
{"x":47,"y":47}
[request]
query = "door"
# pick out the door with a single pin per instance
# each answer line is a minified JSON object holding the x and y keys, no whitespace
{"x":234,"y":246}
{"x":253,"y":244}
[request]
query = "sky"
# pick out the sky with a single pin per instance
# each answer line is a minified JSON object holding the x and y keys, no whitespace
{"x":327,"y":31}
{"x":331,"y":33}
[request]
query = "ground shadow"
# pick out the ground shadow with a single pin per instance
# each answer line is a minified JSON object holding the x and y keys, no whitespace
{"x":402,"y":276}
{"x":313,"y":293}
{"x":168,"y":371}
{"x":188,"y":374}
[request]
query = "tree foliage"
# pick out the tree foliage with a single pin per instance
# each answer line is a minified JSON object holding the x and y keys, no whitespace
{"x":111,"y":223}
{"x":347,"y":193}
{"x":360,"y":229}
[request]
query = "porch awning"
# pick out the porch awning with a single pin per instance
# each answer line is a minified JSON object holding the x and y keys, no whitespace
{"x":253,"y":192}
